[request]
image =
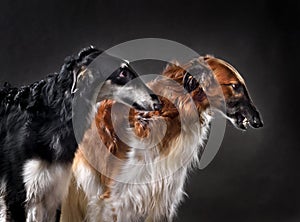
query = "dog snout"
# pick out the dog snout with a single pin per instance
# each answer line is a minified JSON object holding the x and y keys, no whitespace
{"x":256,"y":120}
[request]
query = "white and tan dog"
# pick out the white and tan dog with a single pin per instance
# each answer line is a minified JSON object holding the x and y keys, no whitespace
{"x":147,"y":184}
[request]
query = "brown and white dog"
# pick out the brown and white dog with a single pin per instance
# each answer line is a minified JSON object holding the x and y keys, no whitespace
{"x":154,"y":153}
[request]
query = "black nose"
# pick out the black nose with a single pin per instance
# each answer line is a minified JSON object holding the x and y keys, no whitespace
{"x":256,"y":122}
{"x":157,"y":106}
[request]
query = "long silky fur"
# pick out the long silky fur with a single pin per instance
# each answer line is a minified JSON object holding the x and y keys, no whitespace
{"x":36,"y":125}
{"x":148,"y":185}
{"x":95,"y":196}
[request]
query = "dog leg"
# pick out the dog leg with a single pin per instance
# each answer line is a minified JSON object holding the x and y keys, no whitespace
{"x":74,"y":206}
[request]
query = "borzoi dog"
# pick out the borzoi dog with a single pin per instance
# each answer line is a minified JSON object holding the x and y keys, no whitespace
{"x":37,"y":141}
{"x":116,"y":180}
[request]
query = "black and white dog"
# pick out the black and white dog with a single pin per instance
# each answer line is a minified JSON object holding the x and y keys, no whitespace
{"x":37,"y":140}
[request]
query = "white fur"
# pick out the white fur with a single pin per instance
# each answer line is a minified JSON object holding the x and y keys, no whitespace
{"x":124,"y":64}
{"x":3,"y":209}
{"x":88,"y":181}
{"x":150,"y":188}
{"x":46,"y":185}
{"x":128,"y":92}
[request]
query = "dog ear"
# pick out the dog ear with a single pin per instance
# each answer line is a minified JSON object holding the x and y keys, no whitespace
{"x":87,"y":55}
{"x":197,"y":74}
{"x":189,"y":82}
{"x":77,"y":64}
{"x":81,"y":60}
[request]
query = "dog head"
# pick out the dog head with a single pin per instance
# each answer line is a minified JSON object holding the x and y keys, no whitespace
{"x":202,"y":77}
{"x":121,"y":82}
{"x":239,"y":107}
{"x":125,"y":86}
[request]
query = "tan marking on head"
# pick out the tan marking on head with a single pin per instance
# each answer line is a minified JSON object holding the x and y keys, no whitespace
{"x":226,"y":75}
{"x":223,"y":71}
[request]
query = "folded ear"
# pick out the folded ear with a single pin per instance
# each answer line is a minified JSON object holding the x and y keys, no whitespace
{"x":82,"y":59}
{"x":189,"y":82}
{"x":198,"y":75}
{"x":87,"y":55}
{"x":76,"y":65}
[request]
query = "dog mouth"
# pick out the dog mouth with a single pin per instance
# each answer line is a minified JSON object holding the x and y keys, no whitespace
{"x":139,"y":107}
{"x":240,"y":121}
{"x":245,"y":120}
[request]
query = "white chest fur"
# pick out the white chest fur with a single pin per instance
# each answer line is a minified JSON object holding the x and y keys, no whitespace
{"x":46,"y":185}
{"x":152,"y":187}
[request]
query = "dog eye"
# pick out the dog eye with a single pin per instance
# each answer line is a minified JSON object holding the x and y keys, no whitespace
{"x":235,"y":86}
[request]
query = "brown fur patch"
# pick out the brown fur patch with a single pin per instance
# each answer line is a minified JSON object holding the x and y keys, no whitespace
{"x":100,"y":153}
{"x":226,"y":75}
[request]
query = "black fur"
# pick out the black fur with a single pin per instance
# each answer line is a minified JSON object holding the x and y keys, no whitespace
{"x":36,"y":122}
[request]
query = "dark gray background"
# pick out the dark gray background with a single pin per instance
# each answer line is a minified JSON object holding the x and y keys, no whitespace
{"x":255,"y":175}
